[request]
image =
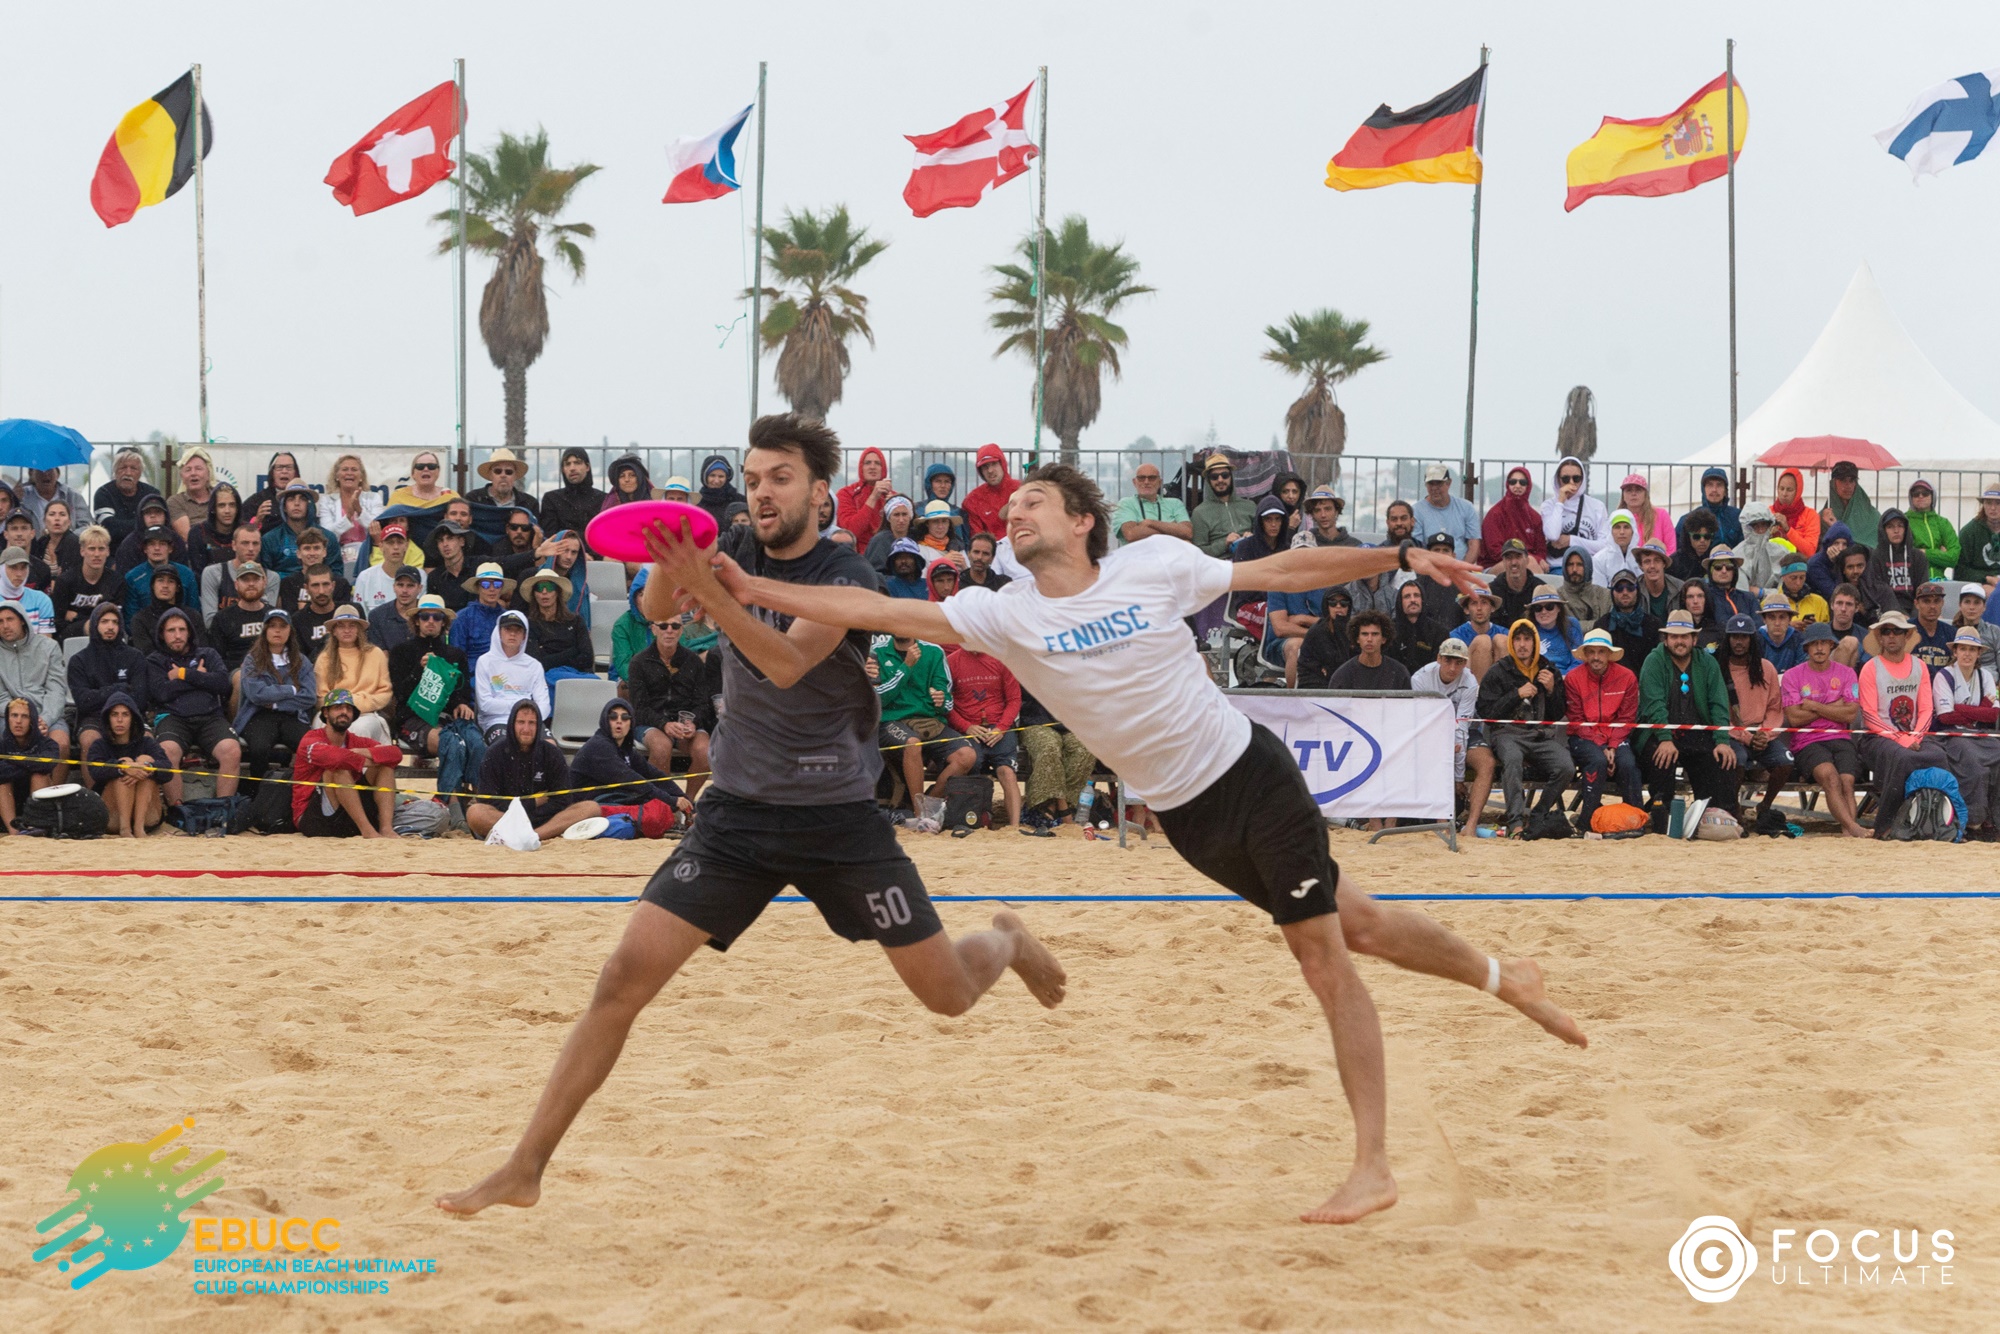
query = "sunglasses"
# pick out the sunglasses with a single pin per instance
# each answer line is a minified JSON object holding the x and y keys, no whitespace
{"x":423,"y":467}
{"x":1520,"y":482}
{"x":1569,"y":477}
{"x":492,"y":583}
{"x":430,"y":616}
{"x":520,"y":528}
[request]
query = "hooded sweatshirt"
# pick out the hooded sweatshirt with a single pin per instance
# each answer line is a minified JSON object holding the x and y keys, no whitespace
{"x":1898,"y":566}
{"x":983,"y":692}
{"x":603,"y":761}
{"x":1254,"y":545}
{"x":1762,"y":557}
{"x":406,"y":669}
{"x":1514,"y":516}
{"x":1586,"y":599}
{"x":1728,"y":519}
{"x":1978,"y":551}
{"x":717,"y":499}
{"x":500,"y":680}
{"x":1601,"y":709}
{"x":956,"y":533}
{"x":38,"y":751}
{"x":100,"y":669}
{"x":145,"y":618}
{"x":1929,"y":530}
{"x":1582,"y":518}
{"x":106,"y":753}
{"x":509,"y":771}
{"x":1799,"y":520}
{"x":931,"y":589}
{"x":573,"y":504}
{"x":1688,"y":563}
{"x":1499,"y":689}
{"x":1216,"y":517}
{"x":204,"y":690}
{"x":855,"y":506}
{"x":1821,"y":576}
{"x":983,"y":502}
{"x":33,"y":604}
{"x":896,"y":586}
{"x":622,"y":464}
{"x":631,"y":633}
{"x":1858,"y":514}
{"x":32,"y":668}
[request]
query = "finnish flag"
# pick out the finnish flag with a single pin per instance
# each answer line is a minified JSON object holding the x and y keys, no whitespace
{"x":1947,"y":125}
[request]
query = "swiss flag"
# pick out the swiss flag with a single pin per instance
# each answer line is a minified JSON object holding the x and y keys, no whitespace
{"x":959,"y":164}
{"x":400,"y":158}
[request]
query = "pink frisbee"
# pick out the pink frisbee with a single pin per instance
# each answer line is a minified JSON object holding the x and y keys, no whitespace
{"x":619,"y":532}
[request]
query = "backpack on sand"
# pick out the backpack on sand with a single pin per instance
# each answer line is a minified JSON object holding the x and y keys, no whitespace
{"x":69,"y":810}
{"x":968,"y":802}
{"x":1926,"y":817}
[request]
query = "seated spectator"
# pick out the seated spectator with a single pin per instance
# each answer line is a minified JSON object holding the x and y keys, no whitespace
{"x":32,"y":668}
{"x":130,"y":553}
{"x":1898,"y":562}
{"x":1930,"y":638}
{"x":522,"y":763}
{"x":1472,"y":763}
{"x":1525,"y":692}
{"x":1715,"y":504}
{"x":938,"y":531}
{"x":1288,"y":619}
{"x":1267,"y":536}
{"x":1290,"y":489}
{"x":1807,"y":606}
{"x":1756,"y":710}
{"x":79,"y":592}
{"x":1516,"y":583}
{"x":131,"y":769}
{"x":1657,"y":588}
{"x":349,"y":662}
{"x":1059,"y":766}
{"x":861,"y":503}
{"x":987,"y":502}
{"x":1621,"y":552}
{"x":1326,"y":644}
{"x":1653,"y":524}
{"x":1370,"y":668}
{"x":557,"y":637}
{"x":155,"y":543}
{"x":1823,"y":566}
{"x":279,"y":695}
{"x":1684,"y":721}
{"x":631,"y":633}
{"x":166,"y":593}
{"x":389,"y":624}
{"x":1588,"y":601}
{"x":1323,"y":510}
{"x":1694,"y":600}
{"x":1979,"y":543}
{"x":1601,"y":701}
{"x":1695,"y":537}
{"x":1441,"y":510}
{"x":1972,"y":616}
{"x":612,"y":770}
{"x":310,"y":620}
{"x":1416,"y":635}
{"x":1514,"y":518}
{"x":1821,"y":698}
{"x":57,"y":546}
{"x":104,"y":666}
{"x":446,"y":567}
{"x":1896,"y":710}
{"x":985,"y":703}
{"x":668,"y":685}
{"x":979,"y":563}
{"x":1572,"y":518}
{"x":299,"y":507}
{"x":1633,"y":630}
{"x":502,"y":470}
{"x":1849,"y":625}
{"x":189,"y":686}
{"x":18,"y":531}
{"x":516,"y":552}
{"x":941,"y":580}
{"x":1726,"y":594}
{"x":1763,"y":556}
{"x":313,"y":549}
{"x":577,"y":501}
{"x":491,"y":590}
{"x":330,"y":768}
{"x":1485,"y":638}
{"x":1967,"y":698}
{"x":29,"y":757}
{"x":455,"y":737}
{"x":914,"y":687}
{"x":236,"y":627}
{"x":897,"y":516}
{"x":905,"y":578}
{"x":1781,"y":643}
{"x":1560,"y":635}
{"x":1857,"y":571}
{"x":505,"y":674}
{"x":376,"y":586}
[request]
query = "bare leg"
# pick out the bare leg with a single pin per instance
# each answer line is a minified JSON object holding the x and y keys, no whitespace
{"x":1422,"y":944}
{"x":1010,"y":791}
{"x":340,"y":789}
{"x":950,"y":976}
{"x":1291,"y":649}
{"x":60,"y":772}
{"x":1839,"y":789}
{"x":382,"y":777}
{"x":1357,"y":1051}
{"x":148,"y":808}
{"x":655,"y":946}
{"x":567,"y":816}
{"x":913,"y":775}
{"x":118,"y":795}
{"x":173,"y":753}
{"x":92,"y":778}
{"x":7,"y":811}
{"x":1480,"y":652}
{"x":1479,"y":759}
{"x":228,"y":762}
{"x":698,"y":770}
{"x":957,"y":763}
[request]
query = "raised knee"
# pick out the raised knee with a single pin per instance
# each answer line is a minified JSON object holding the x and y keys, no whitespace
{"x":949,"y":1005}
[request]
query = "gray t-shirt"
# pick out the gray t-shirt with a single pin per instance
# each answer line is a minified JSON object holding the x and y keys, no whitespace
{"x":814,"y":743}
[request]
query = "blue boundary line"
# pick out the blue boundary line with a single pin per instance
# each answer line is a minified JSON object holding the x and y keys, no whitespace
{"x":1643,"y":897}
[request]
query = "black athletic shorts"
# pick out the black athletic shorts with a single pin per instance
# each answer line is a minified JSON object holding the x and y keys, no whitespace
{"x":316,"y":823}
{"x":742,"y":854}
{"x":1838,"y":751}
{"x":1257,"y":832}
{"x":204,"y":733}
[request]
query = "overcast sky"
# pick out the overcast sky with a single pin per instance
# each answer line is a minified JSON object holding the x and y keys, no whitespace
{"x":1197,"y":134}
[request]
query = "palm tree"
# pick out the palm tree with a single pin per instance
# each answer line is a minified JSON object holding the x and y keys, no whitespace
{"x":513,"y":196}
{"x":1087,"y":282}
{"x":815,"y":312}
{"x":1326,"y":347}
{"x":1577,"y":432}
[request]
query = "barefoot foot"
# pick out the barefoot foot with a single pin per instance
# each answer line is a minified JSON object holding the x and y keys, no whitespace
{"x":1366,"y":1191}
{"x":509,"y":1185}
{"x":1521,"y":987}
{"x":1032,"y":960}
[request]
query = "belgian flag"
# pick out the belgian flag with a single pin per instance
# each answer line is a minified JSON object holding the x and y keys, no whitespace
{"x":1430,"y":142}
{"x":151,"y":153}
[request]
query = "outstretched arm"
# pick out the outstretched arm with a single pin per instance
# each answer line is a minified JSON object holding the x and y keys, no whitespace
{"x":1302,"y":569}
{"x":848,"y":607}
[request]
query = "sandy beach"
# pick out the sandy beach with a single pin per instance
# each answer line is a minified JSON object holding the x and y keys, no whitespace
{"x":792,"y":1143}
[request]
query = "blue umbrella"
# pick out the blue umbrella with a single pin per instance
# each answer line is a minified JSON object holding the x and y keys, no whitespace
{"x":26,"y":443}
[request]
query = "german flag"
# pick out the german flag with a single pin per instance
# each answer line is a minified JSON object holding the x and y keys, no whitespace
{"x":1431,"y":142}
{"x":151,"y":153}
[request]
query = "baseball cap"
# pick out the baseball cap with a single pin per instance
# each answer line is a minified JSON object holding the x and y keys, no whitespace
{"x":1437,"y":472}
{"x":1444,"y":540}
{"x":455,"y":529}
{"x":1845,"y":471}
{"x":1817,"y":631}
{"x":1624,"y":577}
{"x":152,"y":502}
{"x":1972,"y":591}
{"x":156,"y":533}
{"x":1741,"y":624}
{"x":1929,"y":588}
{"x":278,"y":614}
{"x":13,"y":556}
{"x":248,"y":568}
{"x":394,"y":530}
{"x":1454,"y":648}
{"x":410,"y":573}
{"x":1512,"y":545}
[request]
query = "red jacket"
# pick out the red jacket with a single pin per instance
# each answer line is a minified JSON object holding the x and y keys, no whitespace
{"x":854,"y":507}
{"x":983,"y":692}
{"x":1602,"y":709}
{"x":316,"y":755}
{"x":983,"y":503}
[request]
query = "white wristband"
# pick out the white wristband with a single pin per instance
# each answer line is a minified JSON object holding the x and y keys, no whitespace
{"x":1493,"y":975}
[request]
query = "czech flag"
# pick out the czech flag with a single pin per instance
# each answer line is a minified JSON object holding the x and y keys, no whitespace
{"x":704,"y":168}
{"x":151,"y":153}
{"x":1431,"y":142}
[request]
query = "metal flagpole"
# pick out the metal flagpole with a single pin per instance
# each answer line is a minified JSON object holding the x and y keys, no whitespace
{"x":1729,"y":148}
{"x":1472,"y":347}
{"x":757,"y":270}
{"x":200,"y":259}
{"x":1041,"y":243}
{"x":458,"y":360}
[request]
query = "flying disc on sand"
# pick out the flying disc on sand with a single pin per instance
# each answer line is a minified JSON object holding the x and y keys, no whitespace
{"x":587,"y":828}
{"x":619,"y":532}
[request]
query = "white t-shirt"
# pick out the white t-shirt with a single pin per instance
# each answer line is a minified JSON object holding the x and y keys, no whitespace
{"x":1117,"y":665}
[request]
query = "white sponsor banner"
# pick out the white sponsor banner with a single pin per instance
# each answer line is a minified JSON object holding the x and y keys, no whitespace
{"x":1364,"y":755}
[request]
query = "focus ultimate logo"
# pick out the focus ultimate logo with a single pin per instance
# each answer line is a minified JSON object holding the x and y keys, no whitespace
{"x":128,"y":1209}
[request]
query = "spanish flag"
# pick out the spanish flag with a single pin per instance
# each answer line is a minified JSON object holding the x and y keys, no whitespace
{"x":1431,"y":142}
{"x":1661,"y":156}
{"x":151,"y":153}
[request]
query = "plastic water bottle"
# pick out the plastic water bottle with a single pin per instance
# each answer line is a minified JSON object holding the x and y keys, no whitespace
{"x":1084,"y":800}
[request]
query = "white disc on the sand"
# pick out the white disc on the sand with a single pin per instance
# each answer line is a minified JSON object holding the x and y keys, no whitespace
{"x":589,"y":828}
{"x":55,"y":790}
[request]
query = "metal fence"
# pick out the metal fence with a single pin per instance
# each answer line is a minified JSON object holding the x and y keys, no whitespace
{"x":1368,"y":482}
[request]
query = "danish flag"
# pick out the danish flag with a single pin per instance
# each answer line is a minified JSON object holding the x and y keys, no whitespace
{"x":400,"y":158}
{"x":957,"y":165}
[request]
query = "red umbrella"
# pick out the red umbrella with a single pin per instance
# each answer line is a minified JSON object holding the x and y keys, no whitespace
{"x":1817,"y":453}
